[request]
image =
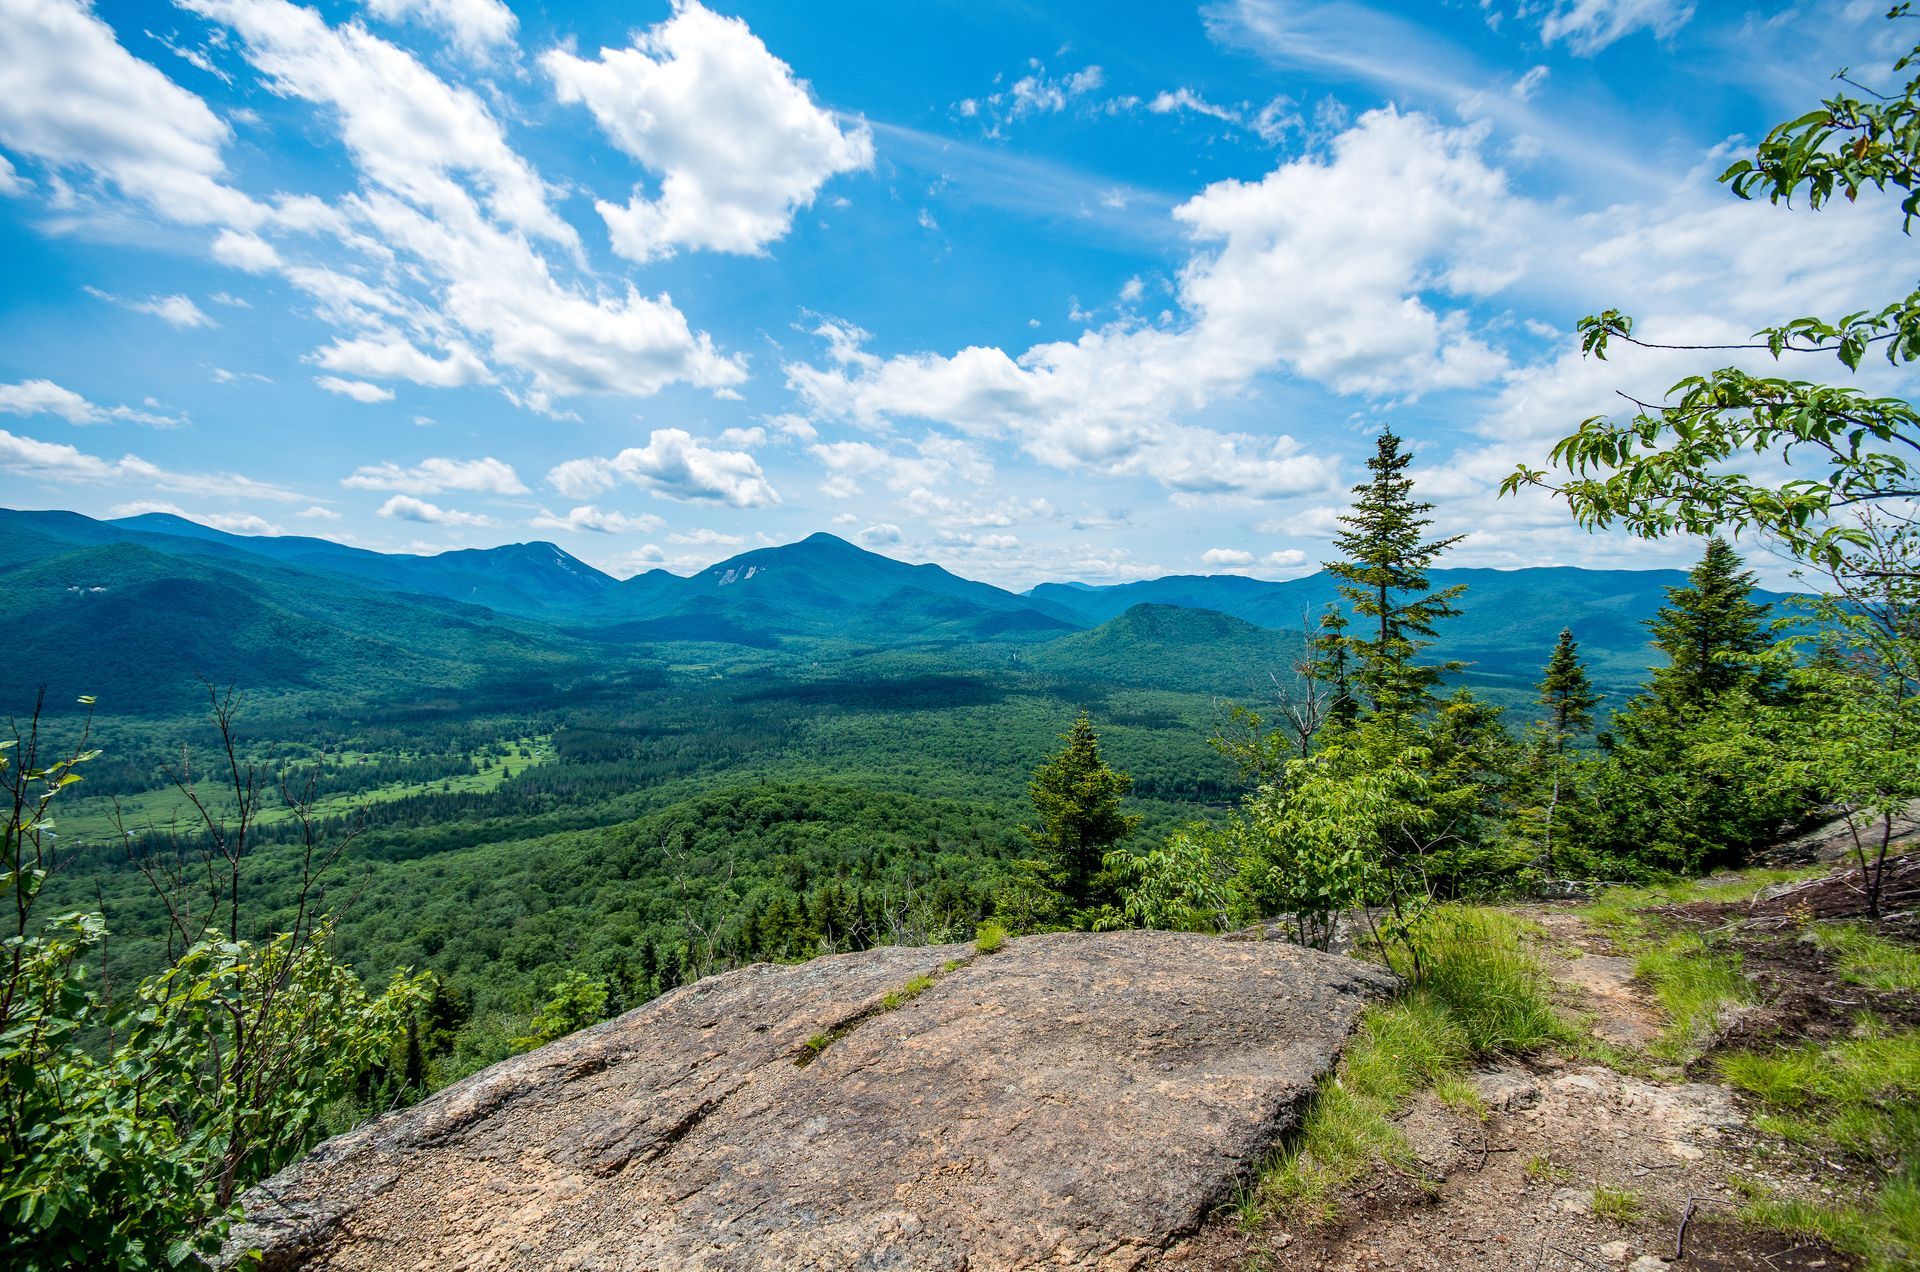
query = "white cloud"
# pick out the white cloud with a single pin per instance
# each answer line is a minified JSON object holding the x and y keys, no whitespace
{"x":1354,"y":269}
{"x":407,"y":508}
{"x":390,"y":356}
{"x":664,"y":100}
{"x":74,"y":99}
{"x":231,"y":522}
{"x":883,"y":535}
{"x":1040,"y":93}
{"x":56,"y":462}
{"x":12,"y":184}
{"x":175,"y":311}
{"x":675,"y":465}
{"x":1527,"y":85}
{"x":1185,"y":99}
{"x":358,"y":390}
{"x":1588,"y":26}
{"x":317,"y":513}
{"x":473,"y":26}
{"x":487,"y":476}
{"x":44,"y":397}
{"x":448,"y":209}
{"x":938,"y":460}
{"x":1231,"y":557}
{"x":407,"y":129}
{"x":707,"y":538}
{"x":588,"y":517}
{"x":247,"y":252}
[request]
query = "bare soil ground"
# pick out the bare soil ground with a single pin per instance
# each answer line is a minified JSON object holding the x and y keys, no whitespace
{"x":1516,"y":1187}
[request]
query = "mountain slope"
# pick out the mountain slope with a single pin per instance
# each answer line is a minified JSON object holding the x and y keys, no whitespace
{"x":138,"y":627}
{"x":1506,"y":628}
{"x":1171,"y":647}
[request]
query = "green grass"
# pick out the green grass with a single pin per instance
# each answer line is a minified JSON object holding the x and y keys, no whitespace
{"x":1861,"y":1097}
{"x":898,"y":998}
{"x":1541,"y":1170}
{"x":1696,"y":985}
{"x":1695,"y":982}
{"x":989,"y":937}
{"x":1484,"y":994}
{"x":1863,"y":957}
{"x":1622,"y":1205}
{"x":1885,"y":1232}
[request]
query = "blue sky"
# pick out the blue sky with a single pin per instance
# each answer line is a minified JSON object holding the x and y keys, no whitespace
{"x":1035,"y":291}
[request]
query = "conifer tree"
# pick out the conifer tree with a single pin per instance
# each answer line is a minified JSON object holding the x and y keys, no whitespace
{"x":1332,"y":665}
{"x":1077,"y":798}
{"x":1384,"y":575}
{"x":1706,"y":628}
{"x":1569,"y":699}
{"x":1566,"y":693}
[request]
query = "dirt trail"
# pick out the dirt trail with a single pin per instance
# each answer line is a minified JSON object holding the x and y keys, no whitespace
{"x":1516,"y":1187}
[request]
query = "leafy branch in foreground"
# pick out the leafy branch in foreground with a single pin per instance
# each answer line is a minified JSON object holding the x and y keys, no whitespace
{"x":1670,"y":467}
{"x":128,"y":1128}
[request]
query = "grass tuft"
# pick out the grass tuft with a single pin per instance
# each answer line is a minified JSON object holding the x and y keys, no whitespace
{"x":1622,"y":1205}
{"x":1484,"y":995}
{"x":989,"y":937}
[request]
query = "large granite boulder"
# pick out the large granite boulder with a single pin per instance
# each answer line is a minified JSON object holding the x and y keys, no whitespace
{"x":1071,"y":1100}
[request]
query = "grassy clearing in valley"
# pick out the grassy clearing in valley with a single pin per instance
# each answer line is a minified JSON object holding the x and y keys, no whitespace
{"x":89,"y":820}
{"x":1484,"y":994}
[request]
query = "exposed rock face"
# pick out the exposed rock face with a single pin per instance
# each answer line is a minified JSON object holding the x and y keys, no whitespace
{"x":1072,"y":1100}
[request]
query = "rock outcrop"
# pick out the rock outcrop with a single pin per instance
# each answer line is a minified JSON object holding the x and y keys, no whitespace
{"x":1071,"y":1100}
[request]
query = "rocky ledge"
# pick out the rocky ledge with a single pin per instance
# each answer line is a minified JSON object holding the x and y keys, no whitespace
{"x":1071,"y":1100}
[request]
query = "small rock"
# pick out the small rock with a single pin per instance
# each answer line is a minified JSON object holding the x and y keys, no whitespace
{"x":1505,"y":1089}
{"x":1616,"y":1251}
{"x":1648,"y":1263}
{"x":1573,"y":1201}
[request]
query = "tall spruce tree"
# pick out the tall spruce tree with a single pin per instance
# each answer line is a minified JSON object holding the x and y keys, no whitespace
{"x":1384,"y":575}
{"x":1077,"y":798}
{"x":1569,"y":699}
{"x":1706,"y":629}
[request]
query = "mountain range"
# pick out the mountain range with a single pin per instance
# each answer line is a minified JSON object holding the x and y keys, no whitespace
{"x":140,"y":605}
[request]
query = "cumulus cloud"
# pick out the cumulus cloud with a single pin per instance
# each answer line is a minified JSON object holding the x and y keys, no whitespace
{"x":390,"y":356}
{"x":449,"y":219}
{"x":247,"y":252}
{"x":487,"y":476}
{"x":674,"y":465}
{"x":62,"y":464}
{"x":588,"y":517}
{"x":664,"y":100}
{"x":473,"y":26}
{"x":1226,"y":557}
{"x":1354,"y":269}
{"x":358,"y":390}
{"x":407,"y":508}
{"x":44,"y":397}
{"x":883,"y":535}
{"x":72,"y":98}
